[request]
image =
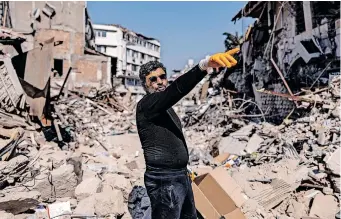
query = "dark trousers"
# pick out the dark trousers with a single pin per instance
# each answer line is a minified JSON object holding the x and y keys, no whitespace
{"x":170,"y":194}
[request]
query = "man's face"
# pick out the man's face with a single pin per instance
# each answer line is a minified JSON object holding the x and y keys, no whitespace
{"x":156,"y":81}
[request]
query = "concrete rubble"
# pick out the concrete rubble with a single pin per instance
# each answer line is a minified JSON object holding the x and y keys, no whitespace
{"x":276,"y":165}
{"x":77,"y":153}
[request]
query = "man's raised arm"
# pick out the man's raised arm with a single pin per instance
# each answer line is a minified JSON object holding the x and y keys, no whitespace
{"x":154,"y":103}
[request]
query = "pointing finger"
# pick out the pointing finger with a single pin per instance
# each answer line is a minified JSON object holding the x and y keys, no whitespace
{"x":233,"y":51}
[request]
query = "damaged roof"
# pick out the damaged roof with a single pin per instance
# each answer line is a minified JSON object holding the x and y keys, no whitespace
{"x":251,"y":9}
{"x":137,"y":34}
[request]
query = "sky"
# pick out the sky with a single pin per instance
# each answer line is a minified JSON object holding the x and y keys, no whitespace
{"x":186,"y":30}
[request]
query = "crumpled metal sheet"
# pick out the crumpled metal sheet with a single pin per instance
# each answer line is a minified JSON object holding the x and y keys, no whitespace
{"x":37,"y":73}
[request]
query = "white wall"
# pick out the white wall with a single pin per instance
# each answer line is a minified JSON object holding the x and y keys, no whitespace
{"x":117,"y":47}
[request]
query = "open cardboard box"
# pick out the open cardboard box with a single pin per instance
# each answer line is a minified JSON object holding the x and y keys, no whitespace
{"x":218,"y":196}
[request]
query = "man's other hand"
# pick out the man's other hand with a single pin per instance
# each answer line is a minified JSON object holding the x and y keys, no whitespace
{"x":223,"y":59}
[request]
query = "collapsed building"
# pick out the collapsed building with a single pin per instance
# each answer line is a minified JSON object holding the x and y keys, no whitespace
{"x":291,"y":46}
{"x":48,"y":49}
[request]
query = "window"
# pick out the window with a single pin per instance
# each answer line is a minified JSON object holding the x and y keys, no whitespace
{"x":58,"y":66}
{"x":101,"y":33}
{"x":134,"y":68}
{"x":142,"y":56}
{"x":135,"y":54}
{"x":130,"y":82}
{"x":133,"y":82}
{"x":102,"y":49}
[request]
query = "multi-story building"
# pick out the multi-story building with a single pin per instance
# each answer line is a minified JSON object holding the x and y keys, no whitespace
{"x":131,"y":50}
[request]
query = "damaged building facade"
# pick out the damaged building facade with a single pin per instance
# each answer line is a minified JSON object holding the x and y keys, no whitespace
{"x":130,"y":50}
{"x":291,"y":46}
{"x":70,"y":27}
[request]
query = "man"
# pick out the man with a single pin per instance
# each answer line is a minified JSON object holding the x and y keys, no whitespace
{"x":165,"y":151}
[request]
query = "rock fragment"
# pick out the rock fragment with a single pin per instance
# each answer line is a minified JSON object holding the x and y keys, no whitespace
{"x":19,"y":202}
{"x":88,"y":187}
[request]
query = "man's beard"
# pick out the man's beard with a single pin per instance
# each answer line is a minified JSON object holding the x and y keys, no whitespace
{"x":159,"y":89}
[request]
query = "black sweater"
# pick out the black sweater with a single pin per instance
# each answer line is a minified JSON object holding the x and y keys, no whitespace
{"x":159,"y":127}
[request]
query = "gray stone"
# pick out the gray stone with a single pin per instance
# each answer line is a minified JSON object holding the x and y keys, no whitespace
{"x":253,"y":144}
{"x":88,"y":187}
{"x":59,"y":184}
{"x":102,"y":204}
{"x":232,"y":145}
{"x":333,"y":162}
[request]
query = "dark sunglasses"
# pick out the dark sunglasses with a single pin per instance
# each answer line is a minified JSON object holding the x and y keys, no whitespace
{"x":154,"y":78}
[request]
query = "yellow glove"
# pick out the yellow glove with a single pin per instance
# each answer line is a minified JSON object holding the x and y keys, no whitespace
{"x":223,"y":59}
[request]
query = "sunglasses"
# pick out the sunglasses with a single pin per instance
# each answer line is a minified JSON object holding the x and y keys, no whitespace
{"x":154,"y":78}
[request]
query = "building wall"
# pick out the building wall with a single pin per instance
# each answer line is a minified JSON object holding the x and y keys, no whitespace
{"x":70,"y":15}
{"x":130,"y":56}
{"x":111,"y":44}
{"x":68,"y":27}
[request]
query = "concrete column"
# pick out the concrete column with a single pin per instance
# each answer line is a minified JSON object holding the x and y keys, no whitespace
{"x":307,"y":16}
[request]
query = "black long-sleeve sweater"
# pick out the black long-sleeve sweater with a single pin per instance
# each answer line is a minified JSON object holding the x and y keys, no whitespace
{"x":159,"y":127}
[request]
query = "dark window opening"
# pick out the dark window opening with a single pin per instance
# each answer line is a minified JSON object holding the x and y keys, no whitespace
{"x":299,"y":18}
{"x":58,"y":67}
{"x":310,"y":46}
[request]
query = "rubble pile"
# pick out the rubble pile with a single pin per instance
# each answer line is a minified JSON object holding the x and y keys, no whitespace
{"x":291,"y":170}
{"x":76,"y":166}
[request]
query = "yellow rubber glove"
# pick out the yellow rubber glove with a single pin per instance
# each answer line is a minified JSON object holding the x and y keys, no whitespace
{"x":223,"y":59}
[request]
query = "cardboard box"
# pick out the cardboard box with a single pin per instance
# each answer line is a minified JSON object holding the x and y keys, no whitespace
{"x":217,"y":195}
{"x":221,"y":158}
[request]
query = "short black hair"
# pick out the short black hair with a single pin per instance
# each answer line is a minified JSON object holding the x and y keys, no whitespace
{"x":148,"y":67}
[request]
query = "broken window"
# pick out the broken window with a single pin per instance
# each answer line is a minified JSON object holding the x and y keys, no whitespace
{"x":299,"y":18}
{"x":58,"y":67}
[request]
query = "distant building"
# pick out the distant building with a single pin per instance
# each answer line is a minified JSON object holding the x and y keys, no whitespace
{"x":131,"y":50}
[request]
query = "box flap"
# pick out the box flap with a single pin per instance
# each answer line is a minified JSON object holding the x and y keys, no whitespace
{"x":216,"y":195}
{"x":236,"y":214}
{"x":229,"y":185}
{"x":203,"y":205}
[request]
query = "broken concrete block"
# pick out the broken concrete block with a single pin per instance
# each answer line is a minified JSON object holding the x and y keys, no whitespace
{"x":296,"y":209}
{"x":102,"y":204}
{"x":57,"y":158}
{"x":86,"y":206}
{"x":324,"y":206}
{"x":333,"y":162}
{"x":109,"y":203}
{"x":253,"y":144}
{"x":5,"y":215}
{"x":88,"y":187}
{"x":232,"y":145}
{"x":116,"y":181}
{"x":60,"y":183}
{"x":19,"y":202}
{"x":327,"y":191}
